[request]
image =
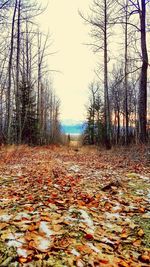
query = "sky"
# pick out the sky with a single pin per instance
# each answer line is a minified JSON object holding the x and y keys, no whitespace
{"x":73,"y":59}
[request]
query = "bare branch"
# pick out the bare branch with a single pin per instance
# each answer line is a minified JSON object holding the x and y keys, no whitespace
{"x":4,"y":4}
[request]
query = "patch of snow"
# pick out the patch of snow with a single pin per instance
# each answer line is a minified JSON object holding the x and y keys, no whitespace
{"x":22,"y":215}
{"x":74,"y":168}
{"x":22,"y":253}
{"x":111,"y":216}
{"x":4,"y":199}
{"x":18,"y":235}
{"x":148,"y":196}
{"x":14,"y":243}
{"x":75,"y":252}
{"x":147,"y":214}
{"x":5,"y":217}
{"x":132,"y":207}
{"x":57,"y":186}
{"x":93,"y":247}
{"x":140,"y":192}
{"x":116,"y":208}
{"x":109,"y":225}
{"x":45,"y":229}
{"x":43,"y":243}
{"x":45,"y":187}
{"x":144,"y":177}
{"x":11,"y":236}
{"x":68,"y":218}
{"x":106,"y":240}
{"x":86,"y":219}
{"x":128,"y":220}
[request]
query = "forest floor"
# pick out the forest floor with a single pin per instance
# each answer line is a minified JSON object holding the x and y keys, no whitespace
{"x":68,"y":206}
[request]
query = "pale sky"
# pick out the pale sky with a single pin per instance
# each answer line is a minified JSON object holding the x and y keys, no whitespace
{"x":73,"y":59}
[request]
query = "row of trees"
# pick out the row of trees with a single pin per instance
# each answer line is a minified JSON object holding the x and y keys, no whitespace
{"x":29,"y":108}
{"x":122,"y":112}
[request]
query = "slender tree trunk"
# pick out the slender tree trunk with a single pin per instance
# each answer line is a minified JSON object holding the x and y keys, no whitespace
{"x":18,"y":115}
{"x":1,"y":112}
{"x":126,"y":76}
{"x":115,"y":126}
{"x":27,"y":55}
{"x":142,"y":101}
{"x":2,"y":97}
{"x":106,"y":96}
{"x":51,"y":116}
{"x":8,"y":101}
{"x":42,"y":107}
{"x":39,"y":79}
{"x":118,"y":126}
{"x":93,"y":119}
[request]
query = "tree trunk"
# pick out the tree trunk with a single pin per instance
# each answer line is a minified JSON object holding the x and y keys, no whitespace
{"x":18,"y":115}
{"x":8,"y":101}
{"x":142,"y":101}
{"x":118,"y":126}
{"x":106,"y":96}
{"x":126,"y":76}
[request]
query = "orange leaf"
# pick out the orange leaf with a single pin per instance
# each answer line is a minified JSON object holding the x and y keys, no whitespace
{"x":30,"y":197}
{"x":33,"y":227}
{"x":137,"y":243}
{"x":104,"y":261}
{"x":46,"y":218}
{"x":122,"y":263}
{"x":124,"y":235}
{"x":29,"y":208}
{"x":3,"y":225}
{"x":141,"y":209}
{"x":84,"y":248}
{"x":22,"y":260}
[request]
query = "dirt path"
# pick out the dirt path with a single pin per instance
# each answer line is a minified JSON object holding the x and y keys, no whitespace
{"x":74,"y":207}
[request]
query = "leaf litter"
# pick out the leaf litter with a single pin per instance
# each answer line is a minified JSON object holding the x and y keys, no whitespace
{"x":60,"y":207}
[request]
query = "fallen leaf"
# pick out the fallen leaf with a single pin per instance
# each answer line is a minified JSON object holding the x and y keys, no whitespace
{"x":137,"y":243}
{"x":141,"y":233}
{"x":89,"y":237}
{"x":57,"y":227}
{"x":22,"y":260}
{"x":104,"y":261}
{"x":122,"y":263}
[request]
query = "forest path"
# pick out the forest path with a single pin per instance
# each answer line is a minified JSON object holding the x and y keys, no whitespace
{"x":62,"y":206}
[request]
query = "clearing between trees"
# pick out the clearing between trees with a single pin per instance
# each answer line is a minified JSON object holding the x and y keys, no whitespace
{"x":62,"y":206}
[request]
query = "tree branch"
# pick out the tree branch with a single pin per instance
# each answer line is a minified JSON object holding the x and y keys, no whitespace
{"x":4,"y":4}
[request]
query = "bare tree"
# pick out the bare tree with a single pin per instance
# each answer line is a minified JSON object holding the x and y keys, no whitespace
{"x":126,"y":74}
{"x":101,"y":21}
{"x":143,"y":78}
{"x":8,"y":101}
{"x":24,"y":94}
{"x":139,"y":7}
